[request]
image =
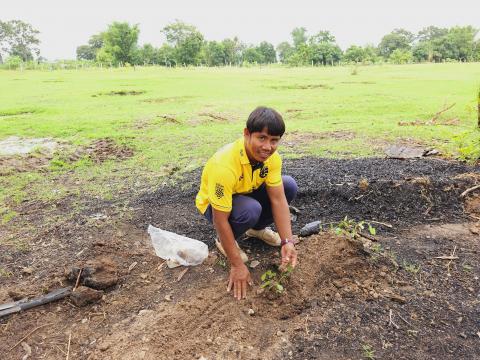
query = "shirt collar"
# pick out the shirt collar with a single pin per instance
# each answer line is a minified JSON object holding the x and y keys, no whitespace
{"x":243,"y":153}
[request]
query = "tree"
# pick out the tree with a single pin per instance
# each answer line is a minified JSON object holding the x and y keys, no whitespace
{"x":214,"y":53}
{"x":165,"y":55}
{"x":285,"y":51}
{"x":299,"y":36}
{"x":86,"y":52}
{"x":251,"y":55}
{"x":186,"y":40}
{"x":146,"y":54}
{"x":120,"y":41}
{"x":18,"y":38}
{"x":401,"y":56}
{"x":397,"y":39}
{"x":268,"y":52}
{"x":354,"y":54}
{"x":89,"y":52}
{"x":323,"y":49}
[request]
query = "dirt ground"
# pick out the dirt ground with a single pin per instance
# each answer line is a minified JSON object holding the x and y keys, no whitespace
{"x":415,"y":295}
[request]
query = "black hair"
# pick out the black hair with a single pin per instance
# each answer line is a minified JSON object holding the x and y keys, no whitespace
{"x":264,"y":117}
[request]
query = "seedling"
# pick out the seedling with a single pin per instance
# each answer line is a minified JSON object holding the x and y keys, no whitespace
{"x":368,"y":352}
{"x":353,"y":229}
{"x":274,"y":281}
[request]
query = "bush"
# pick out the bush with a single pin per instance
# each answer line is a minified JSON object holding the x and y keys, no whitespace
{"x":13,"y":62}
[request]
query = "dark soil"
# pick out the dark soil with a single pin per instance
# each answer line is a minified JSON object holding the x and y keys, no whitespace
{"x":403,"y":301}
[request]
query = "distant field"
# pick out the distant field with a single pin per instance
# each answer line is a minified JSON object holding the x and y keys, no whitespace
{"x":173,"y":119}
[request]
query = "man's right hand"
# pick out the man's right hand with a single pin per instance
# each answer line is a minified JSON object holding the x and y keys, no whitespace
{"x":239,"y":280}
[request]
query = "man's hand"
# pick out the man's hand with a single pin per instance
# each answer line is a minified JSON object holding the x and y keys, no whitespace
{"x":289,"y":256}
{"x":238,"y":281}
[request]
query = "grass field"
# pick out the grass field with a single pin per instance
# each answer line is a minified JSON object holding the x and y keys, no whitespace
{"x":173,"y":119}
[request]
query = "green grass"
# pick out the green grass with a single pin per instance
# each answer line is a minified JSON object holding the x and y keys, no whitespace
{"x":79,"y":106}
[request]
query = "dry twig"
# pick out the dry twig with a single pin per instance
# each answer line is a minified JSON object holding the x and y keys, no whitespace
{"x":26,"y":336}
{"x":469,"y":190}
{"x":380,"y":223}
{"x":68,"y":347}
{"x":180,"y":276}
{"x":391,"y":320}
{"x":452,"y":255}
{"x":78,"y":279}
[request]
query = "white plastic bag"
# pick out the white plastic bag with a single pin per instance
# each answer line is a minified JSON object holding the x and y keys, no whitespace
{"x":177,"y":249}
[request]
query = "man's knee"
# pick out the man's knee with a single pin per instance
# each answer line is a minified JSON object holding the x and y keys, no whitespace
{"x":249,"y":214}
{"x":290,"y":187}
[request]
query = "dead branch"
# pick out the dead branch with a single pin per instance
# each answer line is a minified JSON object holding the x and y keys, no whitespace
{"x":371,"y":238}
{"x":469,"y":190}
{"x":435,"y":117}
{"x":26,"y":336}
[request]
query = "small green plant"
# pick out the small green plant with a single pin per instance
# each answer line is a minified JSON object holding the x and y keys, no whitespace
{"x":5,"y":273}
{"x":467,"y":267}
{"x":410,"y":267}
{"x":368,"y":352}
{"x":274,"y":281}
{"x":221,"y":262}
{"x":352,"y":228}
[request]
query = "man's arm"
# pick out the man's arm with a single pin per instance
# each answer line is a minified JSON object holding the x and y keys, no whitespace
{"x":281,"y":217}
{"x":239,"y":274}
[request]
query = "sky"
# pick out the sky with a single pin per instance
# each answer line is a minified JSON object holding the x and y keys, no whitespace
{"x":64,"y":25}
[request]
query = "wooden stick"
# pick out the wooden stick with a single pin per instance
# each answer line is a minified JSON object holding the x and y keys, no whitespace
{"x":68,"y":347}
{"x":405,"y":321}
{"x":78,"y":279}
{"x":367,"y":236}
{"x":469,"y":190}
{"x":379,"y":223}
{"x":446,"y":257}
{"x":26,"y":336}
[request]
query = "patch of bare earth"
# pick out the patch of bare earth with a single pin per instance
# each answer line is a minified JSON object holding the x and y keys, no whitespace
{"x":103,"y":149}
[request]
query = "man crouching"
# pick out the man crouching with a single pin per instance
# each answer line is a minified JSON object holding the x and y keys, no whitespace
{"x":242,"y":191}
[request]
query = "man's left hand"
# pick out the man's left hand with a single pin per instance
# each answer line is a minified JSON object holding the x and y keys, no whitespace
{"x":289,"y":256}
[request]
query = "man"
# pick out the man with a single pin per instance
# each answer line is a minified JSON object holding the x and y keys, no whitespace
{"x":242,"y":191}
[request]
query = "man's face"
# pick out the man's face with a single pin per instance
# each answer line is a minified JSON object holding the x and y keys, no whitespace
{"x":260,"y":145}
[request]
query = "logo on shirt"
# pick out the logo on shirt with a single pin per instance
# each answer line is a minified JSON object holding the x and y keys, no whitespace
{"x":240,"y":178}
{"x":219,"y":190}
{"x":264,"y":172}
{"x":241,"y":152}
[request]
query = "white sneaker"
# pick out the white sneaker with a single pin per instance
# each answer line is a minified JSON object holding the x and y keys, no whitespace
{"x":243,"y":256}
{"x":267,"y":235}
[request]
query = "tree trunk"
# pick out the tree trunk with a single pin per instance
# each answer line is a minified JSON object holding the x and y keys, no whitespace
{"x":478,"y":108}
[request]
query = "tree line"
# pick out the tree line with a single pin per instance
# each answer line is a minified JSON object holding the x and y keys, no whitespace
{"x":185,"y":45}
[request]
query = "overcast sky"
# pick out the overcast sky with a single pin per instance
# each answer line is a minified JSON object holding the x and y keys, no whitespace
{"x":64,"y":24}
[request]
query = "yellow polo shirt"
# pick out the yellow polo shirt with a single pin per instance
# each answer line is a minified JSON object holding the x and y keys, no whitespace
{"x":229,"y":172}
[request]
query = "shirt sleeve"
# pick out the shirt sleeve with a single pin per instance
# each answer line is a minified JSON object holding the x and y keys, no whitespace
{"x":220,"y":188}
{"x":274,"y":176}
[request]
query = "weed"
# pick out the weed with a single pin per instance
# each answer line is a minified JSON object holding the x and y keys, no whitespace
{"x":368,"y":352}
{"x":221,"y":262}
{"x":274,"y":281}
{"x":7,"y":216}
{"x":5,"y":273}
{"x":467,"y":267}
{"x":410,"y":267}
